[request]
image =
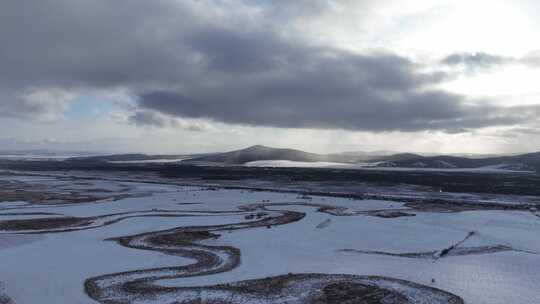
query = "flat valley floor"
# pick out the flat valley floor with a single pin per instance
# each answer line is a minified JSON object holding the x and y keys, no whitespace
{"x":66,"y":239}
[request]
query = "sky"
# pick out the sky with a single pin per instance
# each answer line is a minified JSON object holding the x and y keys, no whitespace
{"x":172,"y":76}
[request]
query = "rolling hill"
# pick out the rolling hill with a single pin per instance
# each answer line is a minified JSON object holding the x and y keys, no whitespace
{"x":256,"y":153}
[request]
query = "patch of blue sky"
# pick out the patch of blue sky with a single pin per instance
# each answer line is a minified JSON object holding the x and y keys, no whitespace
{"x":92,"y":107}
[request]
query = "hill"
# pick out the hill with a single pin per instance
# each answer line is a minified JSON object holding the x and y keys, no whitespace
{"x":530,"y":161}
{"x":516,"y":162}
{"x":257,"y":153}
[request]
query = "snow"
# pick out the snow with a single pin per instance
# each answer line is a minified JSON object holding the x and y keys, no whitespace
{"x":510,"y":277}
{"x":51,"y":268}
{"x":297,"y":164}
{"x":149,"y":161}
{"x":444,"y":166}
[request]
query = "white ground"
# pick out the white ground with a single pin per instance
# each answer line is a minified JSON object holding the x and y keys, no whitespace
{"x":501,"y":168}
{"x":51,"y":268}
{"x":149,"y":161}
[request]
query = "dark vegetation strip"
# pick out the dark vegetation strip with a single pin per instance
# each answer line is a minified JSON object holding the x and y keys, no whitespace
{"x":495,"y":183}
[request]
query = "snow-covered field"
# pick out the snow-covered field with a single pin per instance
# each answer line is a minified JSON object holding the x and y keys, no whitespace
{"x":255,"y":235}
{"x":500,"y":168}
{"x":149,"y":161}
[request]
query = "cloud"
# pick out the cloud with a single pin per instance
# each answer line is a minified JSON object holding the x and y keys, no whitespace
{"x":234,"y":62}
{"x":430,"y":110}
{"x":475,"y":62}
{"x":262,"y":80}
{"x":147,"y":118}
{"x":482,"y":60}
{"x":45,"y":105}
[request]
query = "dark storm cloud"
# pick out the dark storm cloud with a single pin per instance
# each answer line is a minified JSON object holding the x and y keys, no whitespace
{"x":149,"y":118}
{"x":224,"y":62}
{"x":407,"y":112}
{"x":96,"y":43}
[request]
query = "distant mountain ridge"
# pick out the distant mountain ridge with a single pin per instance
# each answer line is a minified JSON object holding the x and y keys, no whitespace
{"x":530,"y":161}
{"x":255,"y":153}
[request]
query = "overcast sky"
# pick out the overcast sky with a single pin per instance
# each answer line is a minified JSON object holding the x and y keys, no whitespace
{"x":172,"y":76}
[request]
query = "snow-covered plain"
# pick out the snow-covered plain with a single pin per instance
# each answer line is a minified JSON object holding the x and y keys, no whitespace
{"x":500,"y":168}
{"x":53,"y":267}
{"x":149,"y":161}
